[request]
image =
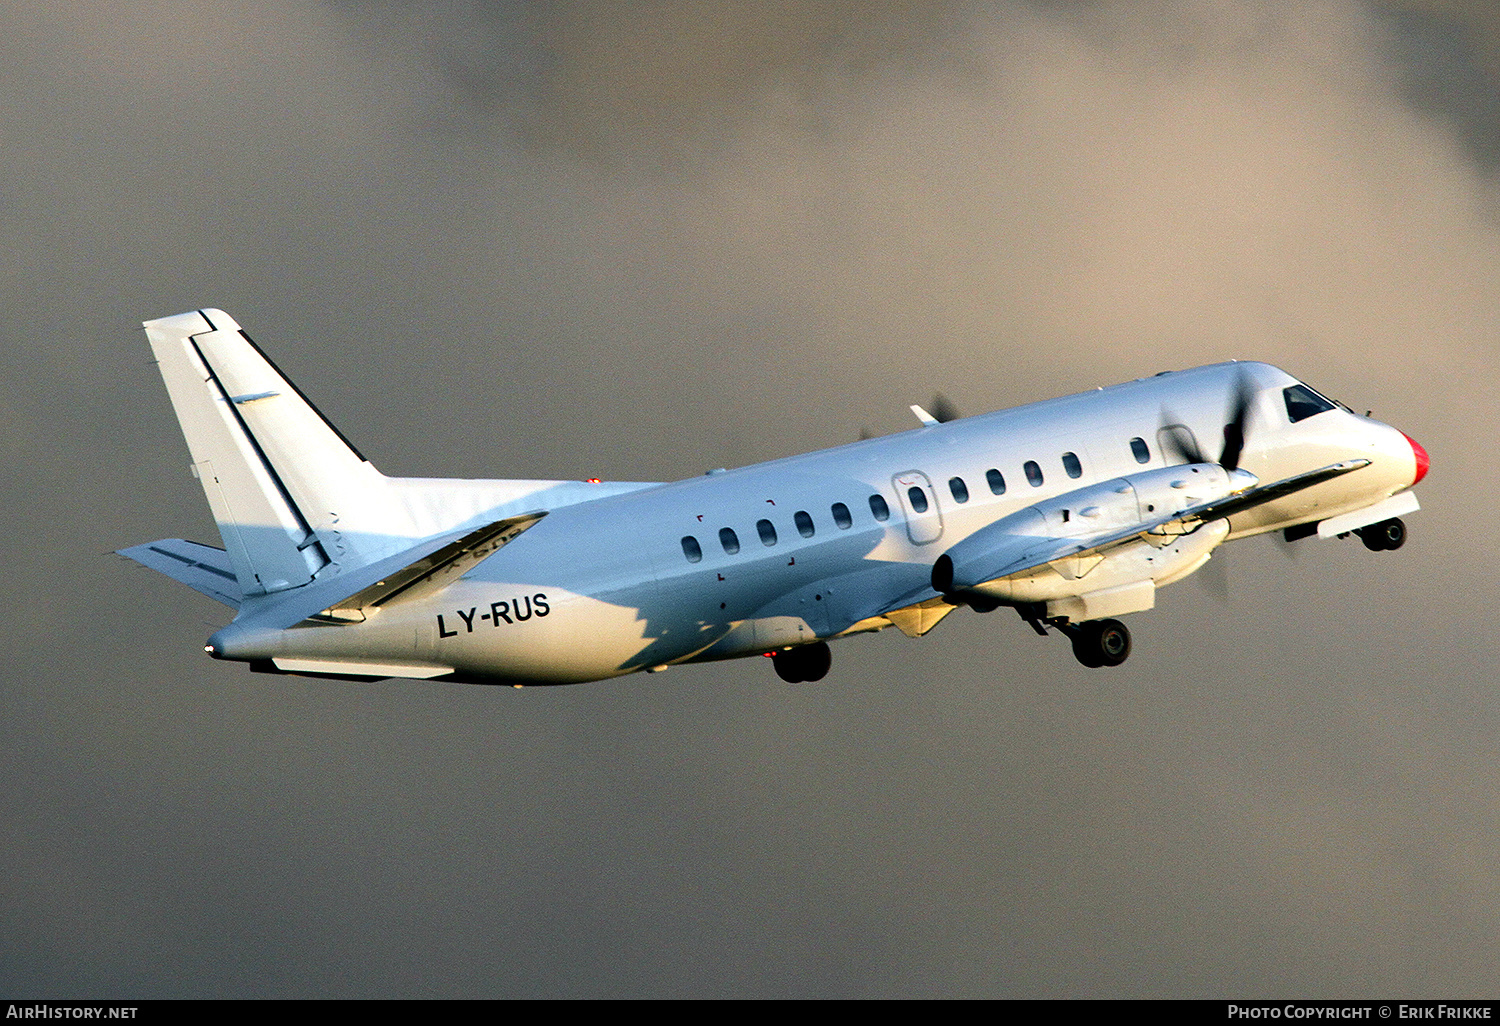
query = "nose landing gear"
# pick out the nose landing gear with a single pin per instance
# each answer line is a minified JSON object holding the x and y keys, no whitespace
{"x":1384,"y":536}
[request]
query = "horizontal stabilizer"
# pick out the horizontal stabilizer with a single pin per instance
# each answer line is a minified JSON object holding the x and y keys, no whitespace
{"x":203,"y":568}
{"x":432,"y":572}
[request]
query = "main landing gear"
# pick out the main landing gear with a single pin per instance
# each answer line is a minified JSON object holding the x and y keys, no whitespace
{"x":1384,"y":536}
{"x":1099,"y":642}
{"x":803,"y":664}
{"x":1095,"y":642}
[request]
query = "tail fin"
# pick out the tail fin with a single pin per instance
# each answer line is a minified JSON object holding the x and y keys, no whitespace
{"x":292,"y":498}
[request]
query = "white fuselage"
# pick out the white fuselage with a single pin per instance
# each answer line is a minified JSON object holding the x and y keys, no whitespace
{"x":639,"y":580}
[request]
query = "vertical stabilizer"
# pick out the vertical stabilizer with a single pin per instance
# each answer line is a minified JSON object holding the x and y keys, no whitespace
{"x":293,"y":500}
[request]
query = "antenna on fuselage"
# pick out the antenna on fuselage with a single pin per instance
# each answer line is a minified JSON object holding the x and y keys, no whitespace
{"x":943,"y":411}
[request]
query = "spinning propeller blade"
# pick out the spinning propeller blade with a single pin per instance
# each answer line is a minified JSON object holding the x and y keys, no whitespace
{"x":1179,"y":440}
{"x":1234,"y":431}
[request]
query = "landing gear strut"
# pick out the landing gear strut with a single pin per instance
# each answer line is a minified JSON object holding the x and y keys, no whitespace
{"x":1095,"y":642}
{"x":1384,"y":536}
{"x":803,"y":664}
{"x":1100,"y":642}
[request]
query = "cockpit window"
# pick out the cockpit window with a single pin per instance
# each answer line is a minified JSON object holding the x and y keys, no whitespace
{"x":1302,"y":402}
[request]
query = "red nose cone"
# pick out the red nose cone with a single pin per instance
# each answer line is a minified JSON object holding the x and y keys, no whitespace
{"x":1421,"y":455}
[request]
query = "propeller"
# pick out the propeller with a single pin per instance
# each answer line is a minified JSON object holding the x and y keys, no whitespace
{"x":1234,"y":431}
{"x":1179,"y":439}
{"x":1213,"y":575}
{"x":1184,"y":446}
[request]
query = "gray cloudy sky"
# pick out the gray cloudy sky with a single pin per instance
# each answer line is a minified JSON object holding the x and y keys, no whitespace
{"x":638,"y":240}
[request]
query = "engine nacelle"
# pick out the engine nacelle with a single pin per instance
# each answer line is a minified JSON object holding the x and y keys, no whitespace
{"x":1130,"y":570}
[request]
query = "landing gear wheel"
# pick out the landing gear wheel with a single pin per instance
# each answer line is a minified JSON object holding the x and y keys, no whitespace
{"x":1385,"y":536}
{"x":1085,"y":647}
{"x":804,"y":664}
{"x":1101,"y":643}
{"x":1114,"y":642}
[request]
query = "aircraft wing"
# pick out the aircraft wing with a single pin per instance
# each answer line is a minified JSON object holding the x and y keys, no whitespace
{"x":1232,"y":504}
{"x":203,"y":568}
{"x":1019,"y":553}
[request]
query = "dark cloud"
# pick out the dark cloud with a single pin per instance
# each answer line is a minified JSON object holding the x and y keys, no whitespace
{"x":647,"y":83}
{"x":1449,"y":57}
{"x":638,"y":241}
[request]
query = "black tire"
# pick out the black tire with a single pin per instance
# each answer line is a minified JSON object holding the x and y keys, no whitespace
{"x":803,"y":665}
{"x":788,"y":667}
{"x":817,"y":662}
{"x":1392,"y":534}
{"x":1086,"y":647}
{"x":1112,"y":642}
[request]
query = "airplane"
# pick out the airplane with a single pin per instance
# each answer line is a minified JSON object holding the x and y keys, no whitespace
{"x":1072,"y":512}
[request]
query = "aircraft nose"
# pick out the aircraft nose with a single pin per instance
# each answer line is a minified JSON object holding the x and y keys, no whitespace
{"x":1421,"y":457}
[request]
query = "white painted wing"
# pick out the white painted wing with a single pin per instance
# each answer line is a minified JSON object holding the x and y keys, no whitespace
{"x":1018,"y":554}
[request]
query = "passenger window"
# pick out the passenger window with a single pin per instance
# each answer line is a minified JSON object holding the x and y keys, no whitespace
{"x":767,"y":532}
{"x":880,"y":509}
{"x":841,"y":516}
{"x":959,"y":489}
{"x":1138,"y":448}
{"x":918,"y":499}
{"x":1071,"y":464}
{"x":691,"y":549}
{"x":729,"y":540}
{"x":1302,"y":402}
{"x":996,"y":480}
{"x":804,"y":523}
{"x":1034,"y":473}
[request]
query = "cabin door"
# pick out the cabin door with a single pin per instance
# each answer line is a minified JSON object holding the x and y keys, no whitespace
{"x":924,"y":520}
